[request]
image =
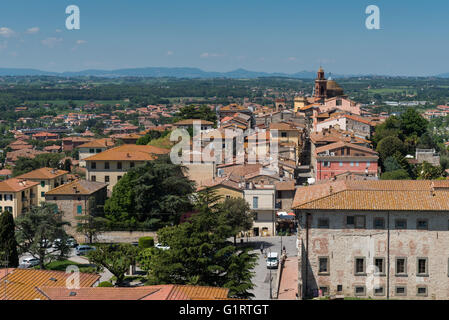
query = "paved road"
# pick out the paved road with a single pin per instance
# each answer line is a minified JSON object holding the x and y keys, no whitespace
{"x":262,"y":274}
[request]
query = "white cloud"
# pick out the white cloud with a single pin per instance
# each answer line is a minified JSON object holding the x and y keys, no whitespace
{"x":33,"y":30}
{"x":81,"y":41}
{"x":51,"y":42}
{"x":211,"y":55}
{"x":6,"y":32}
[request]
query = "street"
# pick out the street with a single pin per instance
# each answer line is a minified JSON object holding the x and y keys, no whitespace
{"x":262,"y":273}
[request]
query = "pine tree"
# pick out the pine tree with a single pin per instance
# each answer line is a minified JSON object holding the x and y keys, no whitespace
{"x":8,"y":244}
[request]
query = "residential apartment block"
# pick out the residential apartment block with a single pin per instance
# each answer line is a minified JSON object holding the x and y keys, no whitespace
{"x":109,"y":166}
{"x":17,"y":195}
{"x":47,"y":179}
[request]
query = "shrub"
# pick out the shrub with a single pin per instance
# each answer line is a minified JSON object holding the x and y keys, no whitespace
{"x":105,"y":284}
{"x":146,"y":242}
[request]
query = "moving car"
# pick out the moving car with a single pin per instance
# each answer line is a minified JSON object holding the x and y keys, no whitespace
{"x":272,"y":260}
{"x":83,"y":249}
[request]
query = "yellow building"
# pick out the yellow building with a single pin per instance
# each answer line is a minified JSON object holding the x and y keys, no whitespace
{"x":290,"y":140}
{"x":223,"y":187}
{"x":48,"y":179}
{"x":17,"y":195}
{"x":111,"y":165}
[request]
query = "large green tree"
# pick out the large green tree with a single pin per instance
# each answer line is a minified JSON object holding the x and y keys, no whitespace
{"x":117,"y":258}
{"x":388,"y":146}
{"x":157,"y":191}
{"x":202,"y":112}
{"x":200,"y":254}
{"x":413,"y":123}
{"x":237,"y":214}
{"x":8,"y":244}
{"x":38,"y":226}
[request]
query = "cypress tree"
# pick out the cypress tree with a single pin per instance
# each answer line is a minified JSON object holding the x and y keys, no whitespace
{"x":8,"y":244}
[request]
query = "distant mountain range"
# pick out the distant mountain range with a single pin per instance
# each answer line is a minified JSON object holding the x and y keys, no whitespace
{"x":161,"y":72}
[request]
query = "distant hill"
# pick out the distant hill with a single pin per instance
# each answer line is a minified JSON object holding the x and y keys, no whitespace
{"x":443,"y":75}
{"x":160,"y":72}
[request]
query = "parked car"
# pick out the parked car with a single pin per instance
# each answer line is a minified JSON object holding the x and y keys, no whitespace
{"x":161,"y":246}
{"x":83,"y":250}
{"x":29,"y":263}
{"x":46,"y":243}
{"x":72,"y":243}
{"x":272,"y":260}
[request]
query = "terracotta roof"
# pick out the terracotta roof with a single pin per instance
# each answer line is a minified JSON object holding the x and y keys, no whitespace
{"x":221,"y":181}
{"x":22,"y":283}
{"x":129,"y":152}
{"x":43,"y":173}
{"x":375,"y":195}
{"x":157,"y":292}
{"x":98,"y":143}
{"x":233,"y":107}
{"x":285,"y":185}
{"x":23,"y":153}
{"x":341,"y":144}
{"x":5,"y":172}
{"x":189,"y":122}
{"x":15,"y":185}
{"x":78,"y":187}
{"x":283,"y":126}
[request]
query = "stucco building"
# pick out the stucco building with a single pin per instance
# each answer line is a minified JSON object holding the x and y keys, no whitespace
{"x":17,"y":195}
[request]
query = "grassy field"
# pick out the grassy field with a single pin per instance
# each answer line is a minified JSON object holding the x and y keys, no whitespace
{"x":79,"y":103}
{"x":63,"y":264}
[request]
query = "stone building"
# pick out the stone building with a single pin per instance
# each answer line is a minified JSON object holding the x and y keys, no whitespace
{"x":378,"y":239}
{"x":77,"y":198}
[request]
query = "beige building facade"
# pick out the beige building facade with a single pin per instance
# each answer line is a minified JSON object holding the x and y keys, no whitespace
{"x":17,"y":195}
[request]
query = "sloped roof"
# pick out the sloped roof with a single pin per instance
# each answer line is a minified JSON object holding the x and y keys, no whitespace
{"x":22,"y":283}
{"x":340,"y":144}
{"x":43,"y":174}
{"x":98,"y":143}
{"x":77,"y":187}
{"x":375,"y":195}
{"x":129,"y":152}
{"x":190,"y":122}
{"x":15,"y":185}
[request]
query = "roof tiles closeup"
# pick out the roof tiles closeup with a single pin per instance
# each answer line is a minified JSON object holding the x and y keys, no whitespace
{"x":129,"y":152}
{"x":15,"y":185}
{"x":43,"y":173}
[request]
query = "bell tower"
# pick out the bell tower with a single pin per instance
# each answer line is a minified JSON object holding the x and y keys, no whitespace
{"x":320,"y":85}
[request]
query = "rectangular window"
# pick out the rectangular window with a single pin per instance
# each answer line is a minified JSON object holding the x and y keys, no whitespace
{"x":357,"y":164}
{"x":324,"y":291}
{"x":379,"y":291}
{"x":379,"y":223}
{"x":422,"y":267}
{"x":341,"y":164}
{"x":352,"y":164}
{"x":93,"y":178}
{"x":91,"y":151}
{"x":350,"y":221}
{"x":339,"y":288}
{"x":106,"y":178}
{"x":401,"y":266}
{"x":131,"y":164}
{"x":79,"y":209}
{"x":400,"y":224}
{"x":106,"y":165}
{"x":422,"y":224}
{"x":9,"y":209}
{"x":255,"y":202}
{"x":93,"y":165}
{"x":359,"y":266}
{"x":401,"y":290}
{"x":119,"y":177}
{"x":98,"y":151}
{"x":42,"y":194}
{"x":42,"y":183}
{"x":360,"y":222}
{"x":379,"y":266}
{"x":421,"y":291}
{"x":368,"y":164}
{"x":323,"y":223}
{"x":119,"y":165}
{"x":284,"y":134}
{"x":359,"y":291}
{"x":323,"y":265}
{"x":1,"y":197}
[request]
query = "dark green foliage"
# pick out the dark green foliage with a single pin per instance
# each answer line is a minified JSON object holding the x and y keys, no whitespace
{"x":146,"y":242}
{"x":391,"y":164}
{"x":8,"y":244}
{"x":38,"y":225}
{"x":200,"y":254}
{"x":202,"y":112}
{"x":105,"y":284}
{"x":400,"y":174}
{"x":25,"y":165}
{"x":157,"y":191}
{"x":388,"y":146}
{"x":413,"y":123}
{"x":117,"y":258}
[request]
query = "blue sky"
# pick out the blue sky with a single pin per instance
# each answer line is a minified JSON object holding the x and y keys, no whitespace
{"x":223,"y":35}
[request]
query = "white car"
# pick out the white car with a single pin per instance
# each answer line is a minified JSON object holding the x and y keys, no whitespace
{"x":161,"y":246}
{"x":29,"y":262}
{"x":272,"y":260}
